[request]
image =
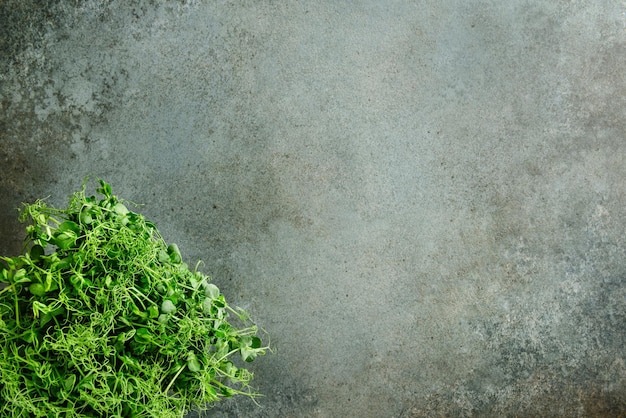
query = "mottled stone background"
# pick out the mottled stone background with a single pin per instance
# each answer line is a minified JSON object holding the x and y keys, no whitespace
{"x":422,"y":202}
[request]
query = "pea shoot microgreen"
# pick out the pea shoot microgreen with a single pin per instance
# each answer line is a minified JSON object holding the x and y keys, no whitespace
{"x":100,"y":317}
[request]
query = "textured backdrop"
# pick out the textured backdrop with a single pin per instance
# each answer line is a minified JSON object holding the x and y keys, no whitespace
{"x":422,"y":202}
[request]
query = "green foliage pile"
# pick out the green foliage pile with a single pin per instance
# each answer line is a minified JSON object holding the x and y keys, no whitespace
{"x":100,"y":317}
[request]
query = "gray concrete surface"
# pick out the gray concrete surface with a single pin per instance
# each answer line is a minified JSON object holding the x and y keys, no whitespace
{"x":422,"y":202}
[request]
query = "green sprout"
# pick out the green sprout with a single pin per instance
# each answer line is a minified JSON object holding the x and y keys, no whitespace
{"x":100,"y":317}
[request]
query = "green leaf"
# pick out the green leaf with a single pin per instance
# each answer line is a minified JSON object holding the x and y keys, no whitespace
{"x":163,"y":256}
{"x":47,"y":317}
{"x":192,"y":363}
{"x":143,"y":335}
{"x":211,"y":290}
{"x":66,"y":235}
{"x":120,"y":209}
{"x":207,"y":305}
{"x":36,"y":252}
{"x":86,"y":215}
{"x":250,"y":348}
{"x":168,"y":307}
{"x":69,"y":382}
{"x":69,"y":226}
{"x":37,"y":289}
{"x":153,"y":312}
{"x":226,"y":391}
{"x":256,"y":342}
{"x":29,"y":336}
{"x":104,"y":189}
{"x":86,"y":383}
{"x":174,"y":254}
{"x":20,"y":276}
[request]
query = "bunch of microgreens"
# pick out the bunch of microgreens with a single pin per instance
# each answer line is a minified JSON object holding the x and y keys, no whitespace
{"x":100,"y":317}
